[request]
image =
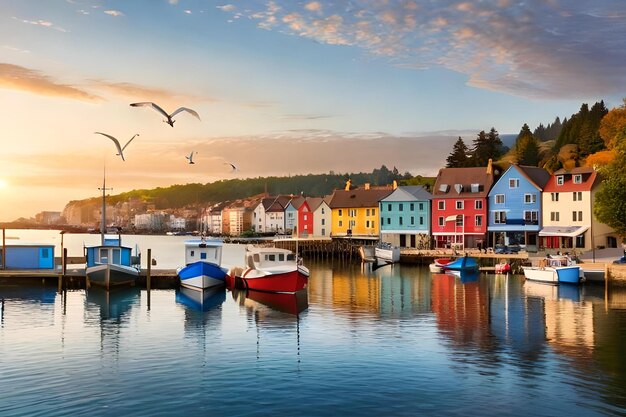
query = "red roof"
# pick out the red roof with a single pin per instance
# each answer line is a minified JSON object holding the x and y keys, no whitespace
{"x":589,"y":178}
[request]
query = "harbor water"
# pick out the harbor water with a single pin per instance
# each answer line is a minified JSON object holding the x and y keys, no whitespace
{"x":395,"y":341}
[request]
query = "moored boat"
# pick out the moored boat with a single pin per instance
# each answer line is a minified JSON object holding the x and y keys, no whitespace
{"x":386,"y":252}
{"x":202,"y":268}
{"x":555,"y":271}
{"x":271,"y":270}
{"x":438,"y":266}
{"x":466,"y":263}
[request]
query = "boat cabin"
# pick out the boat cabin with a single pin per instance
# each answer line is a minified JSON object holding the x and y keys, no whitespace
{"x":27,"y":256}
{"x":269,"y":257}
{"x":116,"y":255}
{"x":203,"y":250}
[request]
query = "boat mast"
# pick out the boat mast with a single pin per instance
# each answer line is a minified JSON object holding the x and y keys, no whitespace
{"x":103,"y":219}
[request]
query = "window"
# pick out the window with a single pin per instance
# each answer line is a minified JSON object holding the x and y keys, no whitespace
{"x":499,"y":198}
{"x":352,"y":213}
{"x":412,"y":220}
{"x":323,"y":222}
{"x":578,"y":195}
{"x":340,"y":223}
{"x":499,"y":217}
{"x":202,"y":255}
{"x":340,"y":212}
{"x":388,"y":207}
{"x":530,"y":198}
{"x":305,"y":217}
{"x":531,"y":216}
{"x":367,"y":212}
{"x":412,"y":207}
{"x":323,"y":232}
{"x":322,"y":210}
{"x":577,"y":216}
{"x":351,"y":224}
{"x":421,"y":220}
{"x":388,"y":220}
{"x":441,"y":205}
{"x":554,"y":196}
{"x":559,"y":180}
{"x":478,"y":204}
{"x":401,"y":207}
{"x":373,"y":212}
{"x":574,"y":216}
{"x":578,"y":179}
{"x":400,"y":221}
{"x":459,"y":205}
{"x":367,"y":223}
{"x":440,"y":221}
{"x":479,"y":220}
{"x":421,"y":206}
{"x":513,"y":183}
{"x":459,"y":220}
{"x":373,"y":224}
{"x":554,"y":216}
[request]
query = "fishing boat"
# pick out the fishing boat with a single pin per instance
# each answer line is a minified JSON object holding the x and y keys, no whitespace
{"x":271,"y":270}
{"x":110,"y":264}
{"x":555,"y":271}
{"x":466,"y":263}
{"x":202,"y":268}
{"x":201,"y":300}
{"x":386,"y":252}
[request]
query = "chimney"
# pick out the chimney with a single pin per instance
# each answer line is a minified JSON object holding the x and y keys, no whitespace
{"x":367,"y":185}
{"x":348,"y":185}
{"x":489,"y":167}
{"x":395,"y":184}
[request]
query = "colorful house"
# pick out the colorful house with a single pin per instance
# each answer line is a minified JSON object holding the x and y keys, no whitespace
{"x":305,"y":219}
{"x":568,"y":220}
{"x":515,"y":207}
{"x":291,"y":214}
{"x":405,"y":217}
{"x":459,"y":207}
{"x":321,"y":215}
{"x":355,"y":212}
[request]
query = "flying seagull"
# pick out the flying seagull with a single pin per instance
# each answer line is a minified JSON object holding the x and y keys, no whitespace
{"x":190,"y":157}
{"x":232,"y":166}
{"x":120,"y":149}
{"x":170,"y":121}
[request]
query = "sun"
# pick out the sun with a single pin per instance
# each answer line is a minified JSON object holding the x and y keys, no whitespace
{"x":3,"y":183}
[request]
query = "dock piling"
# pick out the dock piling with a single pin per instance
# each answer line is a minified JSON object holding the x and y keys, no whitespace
{"x":149,"y":270}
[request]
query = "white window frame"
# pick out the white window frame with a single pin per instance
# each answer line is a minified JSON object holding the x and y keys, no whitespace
{"x":441,"y":205}
{"x":578,"y":179}
{"x":441,"y":221}
{"x":513,"y":182}
{"x":461,"y":204}
{"x":478,"y":205}
{"x":560,"y":180}
{"x":500,"y":197}
{"x":478,"y":220}
{"x":530,"y":198}
{"x":499,"y":217}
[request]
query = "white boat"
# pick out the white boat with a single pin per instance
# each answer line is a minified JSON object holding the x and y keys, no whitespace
{"x":386,"y":252}
{"x":110,"y":264}
{"x":202,"y":268}
{"x":555,"y":271}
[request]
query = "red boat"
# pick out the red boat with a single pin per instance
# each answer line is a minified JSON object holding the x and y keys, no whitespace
{"x":271,"y":270}
{"x":441,"y":262}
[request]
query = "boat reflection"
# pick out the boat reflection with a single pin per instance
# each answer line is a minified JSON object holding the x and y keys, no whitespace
{"x":115,"y":303}
{"x":292,"y":304}
{"x":551,"y":292}
{"x":466,"y":275}
{"x":201,"y":300}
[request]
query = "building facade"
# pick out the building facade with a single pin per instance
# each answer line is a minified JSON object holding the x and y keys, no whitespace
{"x":405,"y":217}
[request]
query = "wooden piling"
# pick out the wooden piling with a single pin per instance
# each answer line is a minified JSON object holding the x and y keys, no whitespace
{"x":4,"y":249}
{"x":148,"y":273}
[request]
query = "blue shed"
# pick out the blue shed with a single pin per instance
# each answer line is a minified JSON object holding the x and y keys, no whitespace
{"x":29,"y":256}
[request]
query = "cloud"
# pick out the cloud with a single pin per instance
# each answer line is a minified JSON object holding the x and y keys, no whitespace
{"x":42,"y":23}
{"x":115,"y":13}
{"x":539,"y":49}
{"x":145,"y":93}
{"x":19,"y":78}
{"x":226,"y":8}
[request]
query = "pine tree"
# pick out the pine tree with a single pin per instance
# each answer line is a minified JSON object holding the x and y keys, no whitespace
{"x":459,"y":156}
{"x":527,"y":147}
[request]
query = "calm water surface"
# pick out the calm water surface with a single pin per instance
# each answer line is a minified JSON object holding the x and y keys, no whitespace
{"x":396,"y":341}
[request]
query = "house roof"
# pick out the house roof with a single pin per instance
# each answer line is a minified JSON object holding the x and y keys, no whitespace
{"x":358,"y":198}
{"x":589,"y":178}
{"x":539,"y":177}
{"x":314,"y":202}
{"x":297,"y":201}
{"x":409,"y":193}
{"x":458,"y":182}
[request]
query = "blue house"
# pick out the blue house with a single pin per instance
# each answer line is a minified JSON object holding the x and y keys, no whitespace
{"x":405,"y":217}
{"x":515,"y":207}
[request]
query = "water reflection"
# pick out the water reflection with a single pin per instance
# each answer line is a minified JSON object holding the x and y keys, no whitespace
{"x":201,"y":300}
{"x":112,"y":305}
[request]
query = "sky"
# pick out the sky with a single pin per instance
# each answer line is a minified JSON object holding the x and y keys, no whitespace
{"x":281,"y":87}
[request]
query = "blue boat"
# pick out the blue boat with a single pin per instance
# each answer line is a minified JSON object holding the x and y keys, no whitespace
{"x":568,"y":274}
{"x":202,"y":268}
{"x":201,"y":300}
{"x":465,"y":263}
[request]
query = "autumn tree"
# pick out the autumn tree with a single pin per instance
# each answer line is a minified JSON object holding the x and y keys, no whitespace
{"x":610,"y":202}
{"x":459,"y":156}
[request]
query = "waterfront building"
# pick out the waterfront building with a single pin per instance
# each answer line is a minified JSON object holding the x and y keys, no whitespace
{"x":237,"y":217}
{"x":405,"y":217}
{"x":568,"y":220}
{"x":459,"y":207}
{"x":305,"y":219}
{"x":291,"y":213}
{"x":214,"y":218}
{"x":259,"y":214}
{"x":355,"y":212}
{"x":515,"y":207}
{"x":321,"y":215}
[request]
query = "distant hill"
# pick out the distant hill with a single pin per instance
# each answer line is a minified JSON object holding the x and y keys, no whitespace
{"x":508,"y":139}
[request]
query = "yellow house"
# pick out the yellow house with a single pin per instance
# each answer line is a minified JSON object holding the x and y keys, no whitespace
{"x":355,"y":212}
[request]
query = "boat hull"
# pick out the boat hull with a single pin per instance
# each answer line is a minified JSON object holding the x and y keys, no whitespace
{"x":569,"y":275}
{"x":462,"y":264}
{"x":201,"y":275}
{"x":111,"y":275}
{"x":560,"y":275}
{"x":389,"y":255}
{"x":279,"y":282}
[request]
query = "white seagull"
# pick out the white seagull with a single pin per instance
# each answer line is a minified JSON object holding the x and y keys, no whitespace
{"x":169,"y":117}
{"x":120,"y":149}
{"x":190,"y":157}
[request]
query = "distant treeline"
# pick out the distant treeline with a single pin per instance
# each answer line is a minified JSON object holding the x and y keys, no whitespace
{"x":311,"y":185}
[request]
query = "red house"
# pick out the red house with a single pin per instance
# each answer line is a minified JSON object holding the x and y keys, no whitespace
{"x":459,"y":207}
{"x":305,"y":219}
